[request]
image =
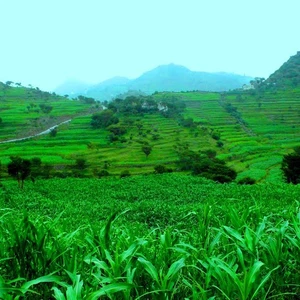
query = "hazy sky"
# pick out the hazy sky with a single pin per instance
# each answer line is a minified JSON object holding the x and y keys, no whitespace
{"x":45,"y":42}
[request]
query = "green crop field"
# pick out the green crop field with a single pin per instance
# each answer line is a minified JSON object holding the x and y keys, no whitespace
{"x":170,"y":236}
{"x":254,"y":131}
{"x":149,"y":236}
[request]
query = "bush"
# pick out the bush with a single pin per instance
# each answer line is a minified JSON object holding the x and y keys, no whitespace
{"x":125,"y":173}
{"x":160,"y":169}
{"x":247,"y":180}
{"x":206,"y":165}
{"x":291,"y":167}
{"x":220,"y":144}
{"x":103,"y":173}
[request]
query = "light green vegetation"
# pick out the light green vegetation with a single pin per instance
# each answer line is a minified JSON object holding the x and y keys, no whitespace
{"x":22,"y":115}
{"x":253,"y":138}
{"x":180,"y":237}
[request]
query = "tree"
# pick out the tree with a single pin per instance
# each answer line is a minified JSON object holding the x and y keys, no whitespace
{"x":53,"y":132}
{"x":81,"y":164}
{"x":146,"y":148}
{"x":1,"y":120}
{"x":205,"y":164}
{"x":19,"y":169}
{"x":104,"y":119}
{"x":291,"y":166}
{"x":46,"y":108}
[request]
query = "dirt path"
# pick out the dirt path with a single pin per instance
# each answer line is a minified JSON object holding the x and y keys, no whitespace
{"x":35,"y":135}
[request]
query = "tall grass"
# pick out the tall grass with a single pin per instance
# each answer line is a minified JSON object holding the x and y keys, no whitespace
{"x":252,"y":260}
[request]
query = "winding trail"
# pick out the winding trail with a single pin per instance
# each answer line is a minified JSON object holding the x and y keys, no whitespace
{"x":35,"y":135}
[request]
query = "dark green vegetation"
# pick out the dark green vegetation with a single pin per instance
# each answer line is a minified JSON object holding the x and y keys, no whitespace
{"x":163,"y":78}
{"x":179,"y":237}
{"x":291,"y":167}
{"x":287,"y":76}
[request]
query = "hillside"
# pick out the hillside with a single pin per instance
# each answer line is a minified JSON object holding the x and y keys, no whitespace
{"x":251,"y":133}
{"x":26,"y":111}
{"x":163,"y":78}
{"x":288,"y":75}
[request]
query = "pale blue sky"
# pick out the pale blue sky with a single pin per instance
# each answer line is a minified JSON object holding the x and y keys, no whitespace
{"x":45,"y":42}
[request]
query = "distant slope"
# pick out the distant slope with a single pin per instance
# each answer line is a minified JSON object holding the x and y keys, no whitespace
{"x":178,"y":78}
{"x":108,"y":89}
{"x":28,"y":111}
{"x":288,"y":75}
{"x":165,"y":78}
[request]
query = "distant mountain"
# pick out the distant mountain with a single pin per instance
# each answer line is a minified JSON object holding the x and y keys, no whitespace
{"x":72,"y":88}
{"x":178,"y":78}
{"x":108,"y":89}
{"x":165,"y":78}
{"x":288,"y":75}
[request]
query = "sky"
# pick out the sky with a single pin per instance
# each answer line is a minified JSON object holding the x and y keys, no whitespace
{"x":46,"y":42}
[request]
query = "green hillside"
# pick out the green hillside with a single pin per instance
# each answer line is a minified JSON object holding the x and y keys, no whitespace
{"x":287,"y":76}
{"x":26,"y":111}
{"x":250,"y":132}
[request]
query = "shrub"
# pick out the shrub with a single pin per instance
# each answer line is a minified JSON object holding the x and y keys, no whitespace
{"x":125,"y":173}
{"x":291,"y":167}
{"x":103,"y":173}
{"x":247,"y":180}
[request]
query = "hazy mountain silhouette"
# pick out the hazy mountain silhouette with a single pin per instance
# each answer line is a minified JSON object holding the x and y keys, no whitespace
{"x":164,"y":78}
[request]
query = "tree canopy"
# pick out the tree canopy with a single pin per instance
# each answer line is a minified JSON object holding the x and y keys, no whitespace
{"x":291,"y":166}
{"x":19,"y":169}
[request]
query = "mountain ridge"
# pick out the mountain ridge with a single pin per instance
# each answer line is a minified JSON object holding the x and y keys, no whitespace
{"x":170,"y":77}
{"x":287,"y":75}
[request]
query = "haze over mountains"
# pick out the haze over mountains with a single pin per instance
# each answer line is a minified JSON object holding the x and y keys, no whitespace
{"x":163,"y":78}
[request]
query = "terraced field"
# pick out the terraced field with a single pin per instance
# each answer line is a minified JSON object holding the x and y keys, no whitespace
{"x":255,"y":133}
{"x":269,"y":128}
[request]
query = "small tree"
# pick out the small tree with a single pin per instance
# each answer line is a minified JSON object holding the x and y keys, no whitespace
{"x":80,"y":164}
{"x":104,"y":119}
{"x":291,"y":166}
{"x":147,"y":149}
{"x":19,"y":169}
{"x":53,"y":132}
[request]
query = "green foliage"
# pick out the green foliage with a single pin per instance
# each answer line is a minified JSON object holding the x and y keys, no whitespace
{"x":117,"y":129}
{"x":103,"y":173}
{"x":104,"y":119}
{"x":216,"y":136}
{"x":36,"y":167}
{"x":87,"y":100}
{"x":183,"y":237}
{"x":147,"y":149}
{"x":53,"y":132}
{"x":247,"y":180}
{"x":19,"y":169}
{"x":291,"y":167}
{"x":81,"y":164}
{"x":220,"y":144}
{"x":125,"y":173}
{"x":160,"y":169}
{"x":45,"y":108}
{"x":287,"y":76}
{"x":205,"y":164}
